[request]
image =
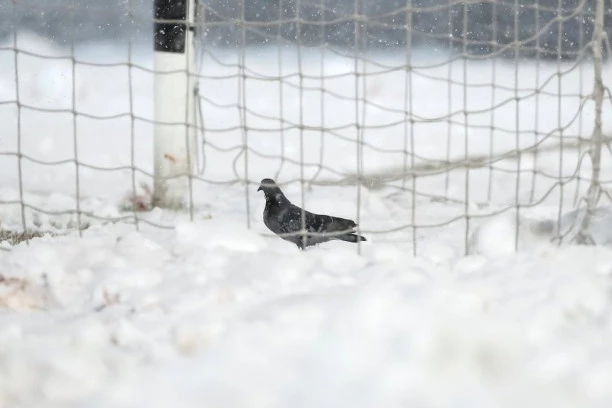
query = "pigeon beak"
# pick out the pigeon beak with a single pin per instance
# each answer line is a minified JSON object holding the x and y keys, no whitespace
{"x":260,"y":188}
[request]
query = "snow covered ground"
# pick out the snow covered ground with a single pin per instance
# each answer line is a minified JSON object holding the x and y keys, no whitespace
{"x":212,"y":313}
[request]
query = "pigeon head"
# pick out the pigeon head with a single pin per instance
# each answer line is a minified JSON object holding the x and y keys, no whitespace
{"x":271,"y":190}
{"x":267,"y":185}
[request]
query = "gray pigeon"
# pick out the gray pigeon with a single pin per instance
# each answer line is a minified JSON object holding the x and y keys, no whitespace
{"x":285,"y":220}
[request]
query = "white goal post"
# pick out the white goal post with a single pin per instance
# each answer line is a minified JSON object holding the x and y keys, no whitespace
{"x":174,"y":106}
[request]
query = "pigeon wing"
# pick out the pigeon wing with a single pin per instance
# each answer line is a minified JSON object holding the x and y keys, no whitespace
{"x":327,"y":223}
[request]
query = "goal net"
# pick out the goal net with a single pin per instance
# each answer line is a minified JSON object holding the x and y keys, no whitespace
{"x":420,"y":119}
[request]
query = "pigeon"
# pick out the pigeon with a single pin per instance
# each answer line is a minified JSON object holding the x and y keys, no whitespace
{"x":285,"y":220}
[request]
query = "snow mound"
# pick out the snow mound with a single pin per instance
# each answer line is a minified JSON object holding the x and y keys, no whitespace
{"x":186,"y":318}
{"x":505,"y":233}
{"x":219,"y":234}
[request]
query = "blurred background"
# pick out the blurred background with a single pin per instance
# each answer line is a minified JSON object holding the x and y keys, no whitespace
{"x":487,"y":26}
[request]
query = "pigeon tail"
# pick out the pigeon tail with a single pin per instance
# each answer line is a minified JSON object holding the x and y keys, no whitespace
{"x":351,"y":238}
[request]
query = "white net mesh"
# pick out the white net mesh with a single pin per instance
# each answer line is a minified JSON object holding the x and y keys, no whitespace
{"x":418,"y":119}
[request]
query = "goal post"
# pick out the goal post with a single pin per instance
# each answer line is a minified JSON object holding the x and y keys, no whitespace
{"x":174,"y":101}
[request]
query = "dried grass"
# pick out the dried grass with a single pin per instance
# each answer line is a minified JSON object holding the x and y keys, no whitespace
{"x":16,"y":237}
